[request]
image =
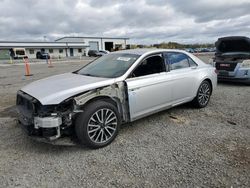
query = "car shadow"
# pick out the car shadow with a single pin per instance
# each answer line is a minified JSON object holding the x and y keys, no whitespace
{"x":233,"y":83}
{"x":170,"y":113}
{"x":34,"y":146}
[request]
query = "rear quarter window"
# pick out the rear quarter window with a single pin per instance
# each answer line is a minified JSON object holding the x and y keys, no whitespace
{"x":177,"y":60}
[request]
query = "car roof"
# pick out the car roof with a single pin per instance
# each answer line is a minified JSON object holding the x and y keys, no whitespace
{"x":141,"y":51}
{"x":149,"y":51}
{"x":234,"y":38}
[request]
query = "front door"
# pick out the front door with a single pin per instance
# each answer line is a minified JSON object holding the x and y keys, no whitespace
{"x":149,"y":87}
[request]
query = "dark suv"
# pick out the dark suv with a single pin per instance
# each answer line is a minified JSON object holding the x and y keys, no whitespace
{"x":42,"y":55}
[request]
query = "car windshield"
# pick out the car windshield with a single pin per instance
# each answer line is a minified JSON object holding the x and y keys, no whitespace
{"x":109,"y":66}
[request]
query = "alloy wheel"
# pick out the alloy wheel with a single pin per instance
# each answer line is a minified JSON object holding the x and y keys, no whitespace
{"x":102,"y":125}
{"x":204,"y":94}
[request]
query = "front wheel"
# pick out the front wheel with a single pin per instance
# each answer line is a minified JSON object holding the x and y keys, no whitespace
{"x":98,"y":125}
{"x":203,"y":95}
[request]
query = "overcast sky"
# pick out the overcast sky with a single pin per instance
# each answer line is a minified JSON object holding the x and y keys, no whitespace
{"x":143,"y":21}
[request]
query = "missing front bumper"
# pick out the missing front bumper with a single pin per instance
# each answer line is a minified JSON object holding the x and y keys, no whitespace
{"x":38,"y":135}
{"x":49,"y":125}
{"x":47,"y":122}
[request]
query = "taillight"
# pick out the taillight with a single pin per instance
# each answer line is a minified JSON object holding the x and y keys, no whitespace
{"x":216,"y":71}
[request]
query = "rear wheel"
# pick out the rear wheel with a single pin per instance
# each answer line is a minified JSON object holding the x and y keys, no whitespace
{"x":203,"y":95}
{"x":98,"y":125}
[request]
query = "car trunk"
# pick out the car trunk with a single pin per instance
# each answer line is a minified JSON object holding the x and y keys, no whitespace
{"x":230,"y":51}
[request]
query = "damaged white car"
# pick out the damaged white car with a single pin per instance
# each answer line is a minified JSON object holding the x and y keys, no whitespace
{"x":90,"y":104}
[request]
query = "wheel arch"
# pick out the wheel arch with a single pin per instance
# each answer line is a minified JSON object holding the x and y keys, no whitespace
{"x":202,"y":80}
{"x":210,"y":82}
{"x":195,"y":99}
{"x":83,"y":127}
{"x":113,"y":100}
{"x":115,"y":94}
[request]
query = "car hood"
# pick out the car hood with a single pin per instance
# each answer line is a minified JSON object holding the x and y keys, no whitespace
{"x":232,"y":44}
{"x":55,"y":89}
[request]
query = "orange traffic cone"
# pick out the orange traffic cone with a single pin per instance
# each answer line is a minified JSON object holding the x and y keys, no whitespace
{"x":27,"y":66}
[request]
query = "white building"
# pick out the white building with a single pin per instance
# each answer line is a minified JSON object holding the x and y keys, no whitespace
{"x":98,"y":43}
{"x":66,"y":46}
{"x":55,"y":49}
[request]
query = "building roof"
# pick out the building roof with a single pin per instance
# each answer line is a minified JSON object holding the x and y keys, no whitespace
{"x":18,"y":44}
{"x":123,"y":38}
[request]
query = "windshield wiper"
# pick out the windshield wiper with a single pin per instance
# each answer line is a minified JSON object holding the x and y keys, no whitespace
{"x":89,"y":75}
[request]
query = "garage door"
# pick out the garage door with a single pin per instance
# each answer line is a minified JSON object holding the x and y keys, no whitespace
{"x":93,"y":45}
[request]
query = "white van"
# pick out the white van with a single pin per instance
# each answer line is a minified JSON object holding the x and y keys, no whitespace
{"x":17,"y":53}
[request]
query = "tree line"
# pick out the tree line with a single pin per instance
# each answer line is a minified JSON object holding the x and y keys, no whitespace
{"x":173,"y":45}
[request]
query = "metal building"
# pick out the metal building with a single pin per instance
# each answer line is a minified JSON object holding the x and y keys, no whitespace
{"x":98,"y":43}
{"x":55,"y":49}
{"x":63,"y":47}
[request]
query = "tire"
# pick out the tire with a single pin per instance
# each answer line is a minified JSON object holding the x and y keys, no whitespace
{"x":98,"y":125}
{"x":203,"y":95}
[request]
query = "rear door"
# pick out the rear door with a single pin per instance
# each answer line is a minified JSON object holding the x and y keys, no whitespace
{"x":183,"y":72}
{"x":149,"y":87}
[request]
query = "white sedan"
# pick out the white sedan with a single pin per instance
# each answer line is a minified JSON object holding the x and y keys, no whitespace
{"x":91,"y":103}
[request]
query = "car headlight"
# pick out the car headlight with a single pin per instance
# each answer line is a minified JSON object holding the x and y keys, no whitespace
{"x":245,"y":63}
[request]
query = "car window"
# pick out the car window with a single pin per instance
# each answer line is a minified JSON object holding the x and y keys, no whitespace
{"x":109,"y":66}
{"x":151,"y":65}
{"x":20,"y":52}
{"x":177,"y":60}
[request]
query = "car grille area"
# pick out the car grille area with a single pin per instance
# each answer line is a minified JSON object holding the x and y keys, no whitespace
{"x":225,"y":66}
{"x":25,"y":104}
{"x":26,"y":109}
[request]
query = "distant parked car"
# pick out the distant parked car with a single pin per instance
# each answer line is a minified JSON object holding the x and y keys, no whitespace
{"x":212,"y":49}
{"x":232,"y":59}
{"x":96,"y":53}
{"x":204,"y":50}
{"x":42,"y":55}
{"x":123,"y":86}
{"x":190,"y":50}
